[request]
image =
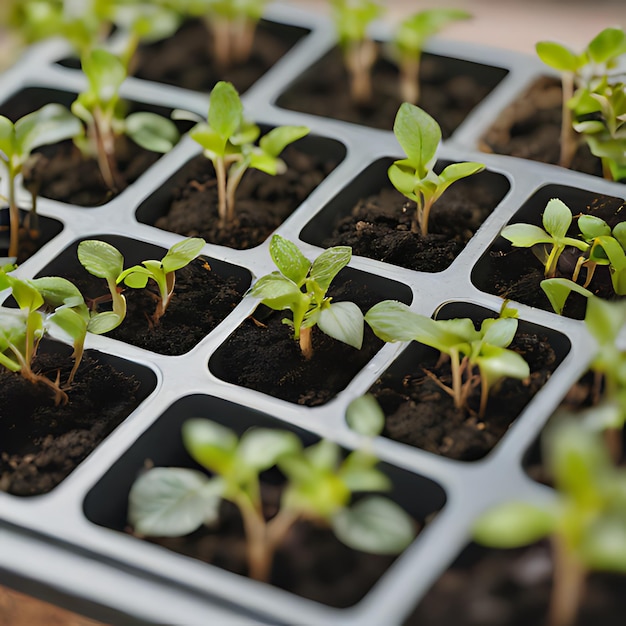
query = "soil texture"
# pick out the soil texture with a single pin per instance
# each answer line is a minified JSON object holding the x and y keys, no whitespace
{"x":379,"y":226}
{"x":421,"y":414}
{"x":263,"y":201}
{"x":262,"y":354}
{"x":530,"y":128}
{"x":449,"y":91}
{"x":42,"y":443}
{"x":512,"y":588}
{"x":186,"y":59}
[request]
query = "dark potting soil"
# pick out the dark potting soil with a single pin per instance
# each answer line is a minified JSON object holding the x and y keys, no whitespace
{"x":311,"y":562}
{"x":186,"y":59}
{"x":262,"y":354}
{"x":263,"y":201}
{"x":512,"y":588}
{"x":447,"y":95}
{"x":530,"y":128}
{"x":516,"y":273}
{"x":379,"y":226}
{"x":419,"y":413}
{"x":42,"y":443}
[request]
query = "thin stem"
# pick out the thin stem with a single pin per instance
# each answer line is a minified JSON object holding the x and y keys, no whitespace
{"x":455,"y":366}
{"x":260,"y":555}
{"x":243,"y":31}
{"x":14,"y":216}
{"x":235,"y":175}
{"x":220,"y":173}
{"x":567,"y":585}
{"x":222,"y":41}
{"x":359,"y":60}
{"x":104,"y":150}
{"x":484,"y":396}
{"x":425,"y":215}
{"x":306,"y":344}
{"x":568,"y":134}
{"x":409,"y":79}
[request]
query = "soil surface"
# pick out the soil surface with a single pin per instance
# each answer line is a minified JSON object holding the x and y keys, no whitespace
{"x":421,"y":414}
{"x":42,"y":443}
{"x":263,"y":201}
{"x":516,"y":273}
{"x":530,"y":128}
{"x":263,"y":345}
{"x":449,"y":91}
{"x":186,"y":59}
{"x":512,"y":588}
{"x":379,"y":226}
{"x":311,"y":562}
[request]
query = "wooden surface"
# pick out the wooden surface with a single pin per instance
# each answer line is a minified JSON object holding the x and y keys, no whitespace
{"x":500,"y":23}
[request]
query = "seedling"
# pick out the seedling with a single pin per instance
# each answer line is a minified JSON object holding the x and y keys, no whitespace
{"x":319,"y":487}
{"x":228,"y":141}
{"x":47,"y":125}
{"x":47,"y":306}
{"x":99,"y":108}
{"x":586,"y":522}
{"x":352,"y":19}
{"x":232,"y":25}
{"x":420,"y":135}
{"x":577,"y":72}
{"x":411,"y":38}
{"x":163,"y":272}
{"x":556,"y":219}
{"x":467,"y":348}
{"x":301,"y":287}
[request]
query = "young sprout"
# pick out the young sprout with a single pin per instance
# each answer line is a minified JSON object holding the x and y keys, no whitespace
{"x":411,"y":36}
{"x":228,"y":142}
{"x":232,"y":25}
{"x":586,"y":522}
{"x":163,"y":272}
{"x":47,"y":125}
{"x":319,"y":487}
{"x":420,"y":135}
{"x":557,"y":219}
{"x":301,"y":287}
{"x":485,"y":349}
{"x":577,"y":72}
{"x":352,"y":19}
{"x":99,"y":108}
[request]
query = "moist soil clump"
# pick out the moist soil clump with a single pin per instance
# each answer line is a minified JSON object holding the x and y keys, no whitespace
{"x":263,"y":201}
{"x":421,"y":414}
{"x":447,"y":95}
{"x":42,"y":443}
{"x":263,"y":355}
{"x":379,"y":227}
{"x":186,"y":59}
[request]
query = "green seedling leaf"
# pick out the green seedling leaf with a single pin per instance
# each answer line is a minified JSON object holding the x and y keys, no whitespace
{"x":105,"y":73}
{"x":375,"y":525}
{"x":100,"y":259}
{"x":557,"y":218}
{"x":287,"y":257}
{"x":456,"y":171}
{"x":606,"y":45}
{"x":499,"y":332}
{"x":591,"y":227}
{"x":394,"y":321}
{"x":603,"y":547}
{"x":182,"y":253}
{"x":416,"y":30}
{"x":261,"y":448}
{"x":104,"y":322}
{"x":365,"y":416}
{"x":359,"y":473}
{"x":343,"y":321}
{"x":225,"y":110}
{"x":152,"y":132}
{"x":170,"y":502}
{"x":559,"y":289}
{"x":419,"y":135}
{"x":558,"y":56}
{"x":210,"y":444}
{"x":279,"y":293}
{"x":279,"y":138}
{"x":525,"y":235}
{"x":328,"y":264}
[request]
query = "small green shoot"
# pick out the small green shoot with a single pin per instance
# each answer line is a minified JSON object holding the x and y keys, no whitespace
{"x":50,"y":124}
{"x":365,"y":416}
{"x":586,"y":522}
{"x":410,"y":39}
{"x":557,"y":219}
{"x":99,"y":108}
{"x":420,"y":135}
{"x":163,"y":272}
{"x":485,"y":349}
{"x":352,"y":19}
{"x":300,"y":286}
{"x":319,"y":486}
{"x":228,"y":142}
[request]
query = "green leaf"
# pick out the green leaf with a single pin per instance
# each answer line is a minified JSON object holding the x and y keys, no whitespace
{"x":343,"y":321}
{"x":376,"y":525}
{"x":359,"y":473}
{"x":289,"y":260}
{"x":26,"y":296}
{"x":69,"y":322}
{"x":525,"y":235}
{"x":607,"y":45}
{"x":557,"y":218}
{"x":211,"y":141}
{"x":266,"y":163}
{"x":456,"y":171}
{"x":57,"y":291}
{"x":279,"y":138}
{"x":500,"y":332}
{"x":414,"y":32}
{"x":604,"y":319}
{"x":591,"y":227}
{"x":7,"y":138}
{"x":105,"y":73}
{"x":418,"y":134}
{"x":135,"y":277}
{"x":212,"y":445}
{"x":324,"y":455}
{"x":104,"y":322}
{"x":278,"y":292}
{"x":558,"y":56}
{"x":260,"y":448}
{"x":329,"y":264}
{"x":513,"y":525}
{"x":182,"y":253}
{"x":603,"y":547}
{"x":365,"y":416}
{"x":559,"y":289}
{"x":100,"y":258}
{"x":151,"y":131}
{"x":394,"y":321}
{"x":496,"y":363}
{"x":225,"y":110}
{"x":403,"y":178}
{"x":619,"y":232}
{"x":170,"y":501}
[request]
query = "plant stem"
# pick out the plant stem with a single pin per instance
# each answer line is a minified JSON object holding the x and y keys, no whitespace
{"x":455,"y":366}
{"x":306,"y":345}
{"x":235,"y":175}
{"x":220,"y":173}
{"x":568,"y":134}
{"x":105,"y":150}
{"x":360,"y":57}
{"x":222,"y":41}
{"x":14,"y":217}
{"x":567,"y":585}
{"x":409,"y":79}
{"x":260,"y":553}
{"x":243,"y":38}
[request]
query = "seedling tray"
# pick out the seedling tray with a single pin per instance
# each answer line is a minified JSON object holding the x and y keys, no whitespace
{"x":69,"y":545}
